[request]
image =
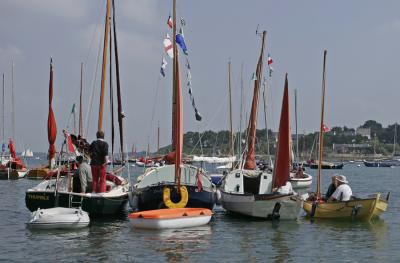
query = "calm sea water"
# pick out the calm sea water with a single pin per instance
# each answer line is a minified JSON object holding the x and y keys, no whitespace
{"x":225,"y":239}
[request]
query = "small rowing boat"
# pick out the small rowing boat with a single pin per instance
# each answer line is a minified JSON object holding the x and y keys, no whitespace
{"x":171,"y":218}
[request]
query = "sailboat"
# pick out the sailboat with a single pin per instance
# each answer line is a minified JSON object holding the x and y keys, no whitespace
{"x":355,"y":208}
{"x":58,"y":192}
{"x":257,"y":193}
{"x":14,"y":168}
{"x":27,"y":153}
{"x":174,"y":185}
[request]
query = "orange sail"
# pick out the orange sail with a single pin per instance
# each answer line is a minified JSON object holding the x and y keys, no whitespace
{"x":51,"y":121}
{"x":283,"y":152}
{"x":250,"y":163}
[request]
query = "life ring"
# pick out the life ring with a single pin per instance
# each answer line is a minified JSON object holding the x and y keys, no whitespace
{"x":181,"y":204}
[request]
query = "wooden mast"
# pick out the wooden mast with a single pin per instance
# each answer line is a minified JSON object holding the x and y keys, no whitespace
{"x":80,"y":128}
{"x":119,"y":99}
{"x":241,"y":112}
{"x":295,"y":118}
{"x":231,"y":150}
{"x":174,"y":51}
{"x":250,"y":163}
{"x":3,"y":116}
{"x":12,"y":102}
{"x":321,"y":128}
{"x":177,"y":109}
{"x":104,"y":69}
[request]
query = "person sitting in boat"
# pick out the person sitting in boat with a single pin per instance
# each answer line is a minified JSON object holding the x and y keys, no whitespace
{"x":343,"y":191}
{"x":84,"y":173}
{"x":331,"y":188}
{"x":98,"y":155}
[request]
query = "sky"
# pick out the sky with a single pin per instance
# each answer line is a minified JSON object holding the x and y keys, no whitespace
{"x":362,"y":38}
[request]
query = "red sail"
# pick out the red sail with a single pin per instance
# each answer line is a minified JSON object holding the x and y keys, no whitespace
{"x":12,"y":149}
{"x":51,"y":121}
{"x":282,"y":160}
{"x":250,"y":163}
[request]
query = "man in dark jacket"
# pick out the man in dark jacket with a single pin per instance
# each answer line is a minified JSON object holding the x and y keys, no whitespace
{"x":98,"y":155}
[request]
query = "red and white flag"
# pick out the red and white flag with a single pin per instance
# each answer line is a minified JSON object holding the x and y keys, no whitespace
{"x":168,"y":46}
{"x":325,"y":128}
{"x":169,"y":22}
{"x":269,"y":60}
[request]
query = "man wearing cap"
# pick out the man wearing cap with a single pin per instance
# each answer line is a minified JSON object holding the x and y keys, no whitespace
{"x":343,"y":191}
{"x":84,"y":173}
{"x":98,"y":162}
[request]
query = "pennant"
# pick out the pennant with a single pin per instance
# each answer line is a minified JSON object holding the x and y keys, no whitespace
{"x":168,"y":46}
{"x":181,"y":42}
{"x":68,"y":140}
{"x":169,"y":22}
{"x":254,"y":77}
{"x":187,"y":64}
{"x":270,"y":59}
{"x":183,"y":22}
{"x":271,"y":69}
{"x":163,"y":66}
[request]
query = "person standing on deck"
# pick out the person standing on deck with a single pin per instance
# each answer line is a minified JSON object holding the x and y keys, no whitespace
{"x":84,"y":174}
{"x":98,"y":155}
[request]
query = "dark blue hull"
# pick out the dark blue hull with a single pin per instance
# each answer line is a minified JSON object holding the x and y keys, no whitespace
{"x":152,"y":198}
{"x":378,"y":164}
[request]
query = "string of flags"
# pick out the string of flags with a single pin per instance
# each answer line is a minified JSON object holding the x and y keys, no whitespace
{"x":270,"y":68}
{"x":168,"y":49}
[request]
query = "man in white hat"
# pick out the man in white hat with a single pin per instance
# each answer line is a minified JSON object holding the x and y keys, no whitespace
{"x":343,"y":191}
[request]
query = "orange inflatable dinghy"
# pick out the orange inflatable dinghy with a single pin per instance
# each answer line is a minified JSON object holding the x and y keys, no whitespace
{"x":171,"y":218}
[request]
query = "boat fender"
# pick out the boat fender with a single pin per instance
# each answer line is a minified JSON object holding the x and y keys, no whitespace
{"x":388,"y":197}
{"x":313,"y":209}
{"x":354,"y":211}
{"x":275,"y":212}
{"x":167,"y":198}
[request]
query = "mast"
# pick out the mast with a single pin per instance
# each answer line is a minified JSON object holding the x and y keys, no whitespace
{"x":3,"y":117}
{"x":282,"y":160}
{"x":265,"y":117}
{"x":241,"y":111}
{"x":231,"y":150}
{"x":295,"y":117}
{"x":104,"y":69}
{"x":12,"y":102}
{"x":119,"y":99}
{"x":178,"y":114}
{"x":80,"y":128}
{"x":395,"y":139}
{"x":174,"y":70}
{"x":158,"y":138}
{"x":250,"y":163}
{"x":111,"y":102}
{"x":321,"y":128}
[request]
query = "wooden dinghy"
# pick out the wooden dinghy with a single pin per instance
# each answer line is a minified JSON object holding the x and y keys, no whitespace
{"x":354,"y":209}
{"x":59,"y":218}
{"x":171,"y":218}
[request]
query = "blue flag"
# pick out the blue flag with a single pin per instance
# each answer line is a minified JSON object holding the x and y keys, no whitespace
{"x":181,"y":42}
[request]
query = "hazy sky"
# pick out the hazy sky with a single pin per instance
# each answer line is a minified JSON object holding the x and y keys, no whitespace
{"x":362,"y":38}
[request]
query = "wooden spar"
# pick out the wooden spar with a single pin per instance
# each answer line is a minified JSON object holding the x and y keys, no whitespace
{"x":158,"y":138}
{"x":80,"y":127}
{"x":178,"y":114}
{"x":241,"y":111}
{"x":295,"y":118}
{"x":119,"y":99}
{"x":111,"y":102}
{"x":265,"y":115}
{"x":250,"y":163}
{"x":282,"y":160}
{"x":104,"y":69}
{"x":321,"y":127}
{"x":394,"y":139}
{"x":231,"y":150}
{"x":174,"y":74}
{"x":12,"y":102}
{"x":3,"y":115}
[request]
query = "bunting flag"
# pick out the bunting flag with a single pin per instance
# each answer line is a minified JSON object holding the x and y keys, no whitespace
{"x":163,"y":66}
{"x":325,"y":128}
{"x":190,"y":90}
{"x":169,"y":22}
{"x":254,"y":77}
{"x":168,"y":46}
{"x":270,"y":61}
{"x":181,"y":41}
{"x":187,"y":63}
{"x":183,"y":22}
{"x":68,"y":141}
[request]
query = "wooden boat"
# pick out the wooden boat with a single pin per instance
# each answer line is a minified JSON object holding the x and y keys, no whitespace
{"x":383,"y":163}
{"x":326,"y":165}
{"x":258,"y":193}
{"x":59,"y":218}
{"x":171,"y":218}
{"x":355,"y":208}
{"x":58,"y":192}
{"x":175,"y":184}
{"x":14,"y":169}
